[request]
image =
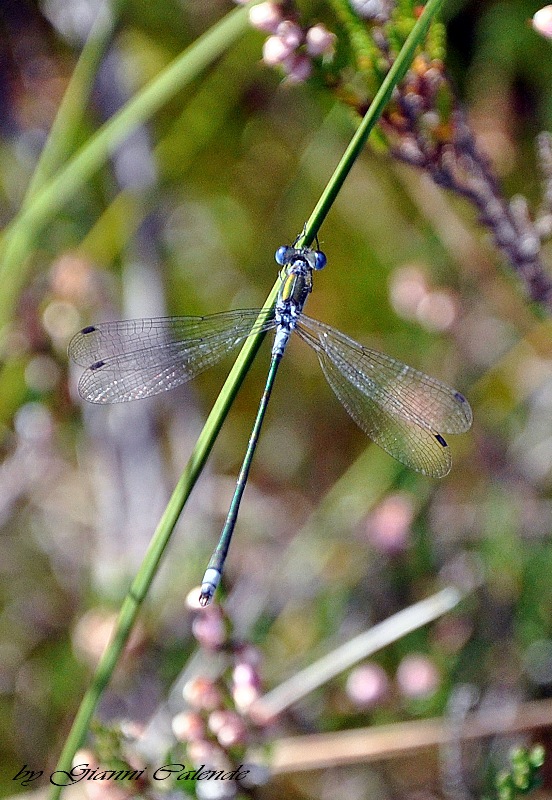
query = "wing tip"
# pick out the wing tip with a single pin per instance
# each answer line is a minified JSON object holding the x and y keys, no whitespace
{"x":467,"y":409}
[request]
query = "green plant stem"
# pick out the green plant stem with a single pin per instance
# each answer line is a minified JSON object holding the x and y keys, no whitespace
{"x":148,"y":569}
{"x":62,"y":135}
{"x":393,"y":77}
{"x":20,"y":235}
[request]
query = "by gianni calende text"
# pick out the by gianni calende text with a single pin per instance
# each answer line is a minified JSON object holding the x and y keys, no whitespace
{"x":84,"y":772}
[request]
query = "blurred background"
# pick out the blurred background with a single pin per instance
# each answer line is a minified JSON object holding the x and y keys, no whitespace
{"x":333,"y":535}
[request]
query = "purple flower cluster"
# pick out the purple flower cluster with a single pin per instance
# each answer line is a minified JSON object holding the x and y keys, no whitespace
{"x":290,"y":46}
{"x":424,"y":124}
{"x":215,"y":726}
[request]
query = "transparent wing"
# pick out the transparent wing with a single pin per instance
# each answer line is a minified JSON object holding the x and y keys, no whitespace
{"x":400,"y":408}
{"x":136,"y":358}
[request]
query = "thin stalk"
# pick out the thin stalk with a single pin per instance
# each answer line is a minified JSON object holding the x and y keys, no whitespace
{"x":393,"y":77}
{"x":148,"y":569}
{"x":382,"y":742}
{"x":70,"y":113}
{"x":149,"y":566}
{"x":357,"y":649}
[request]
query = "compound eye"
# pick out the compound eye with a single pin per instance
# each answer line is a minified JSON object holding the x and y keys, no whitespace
{"x":283,"y":254}
{"x":320,"y":259}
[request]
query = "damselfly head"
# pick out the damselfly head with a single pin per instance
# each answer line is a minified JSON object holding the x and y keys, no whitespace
{"x":316,"y":259}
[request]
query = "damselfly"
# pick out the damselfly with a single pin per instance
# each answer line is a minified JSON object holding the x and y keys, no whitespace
{"x":402,"y":410}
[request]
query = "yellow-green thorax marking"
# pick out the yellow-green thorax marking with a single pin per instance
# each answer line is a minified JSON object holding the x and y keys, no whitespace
{"x":298,"y":263}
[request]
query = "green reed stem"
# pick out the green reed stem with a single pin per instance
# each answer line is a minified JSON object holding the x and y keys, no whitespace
{"x":206,"y":440}
{"x":393,"y":77}
{"x":63,"y":133}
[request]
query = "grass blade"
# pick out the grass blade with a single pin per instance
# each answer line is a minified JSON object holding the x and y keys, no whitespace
{"x":19,"y":236}
{"x":220,"y":409}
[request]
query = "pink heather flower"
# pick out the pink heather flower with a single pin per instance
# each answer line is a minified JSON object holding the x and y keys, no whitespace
{"x":367,"y":685}
{"x":245,"y":674}
{"x":437,"y":310}
{"x":417,"y":677}
{"x":232,"y":734}
{"x":247,"y":685}
{"x":188,"y":726}
{"x":94,"y":790}
{"x":266,"y":17}
{"x":217,"y":719}
{"x":93,"y":632}
{"x":372,"y":9}
{"x":245,"y":696}
{"x":202,"y":693}
{"x":206,"y":752}
{"x":290,"y":33}
{"x":542,"y":21}
{"x":275,"y":51}
{"x":320,"y":41}
{"x":228,"y":727}
{"x":209,"y":628}
{"x":408,"y":287}
{"x":389,"y":524}
{"x":298,"y":68}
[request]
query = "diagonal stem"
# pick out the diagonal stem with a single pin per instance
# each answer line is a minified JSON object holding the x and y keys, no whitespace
{"x":393,"y":77}
{"x":161,"y":537}
{"x":46,"y":200}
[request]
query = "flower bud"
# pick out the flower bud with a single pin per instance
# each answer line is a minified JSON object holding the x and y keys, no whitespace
{"x":417,"y":677}
{"x":290,"y":33}
{"x":202,"y":693}
{"x":265,"y":17}
{"x":542,"y":21}
{"x":298,"y":68}
{"x":275,"y":51}
{"x":188,"y":726}
{"x":209,"y":628}
{"x":367,"y":685}
{"x":320,"y":41}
